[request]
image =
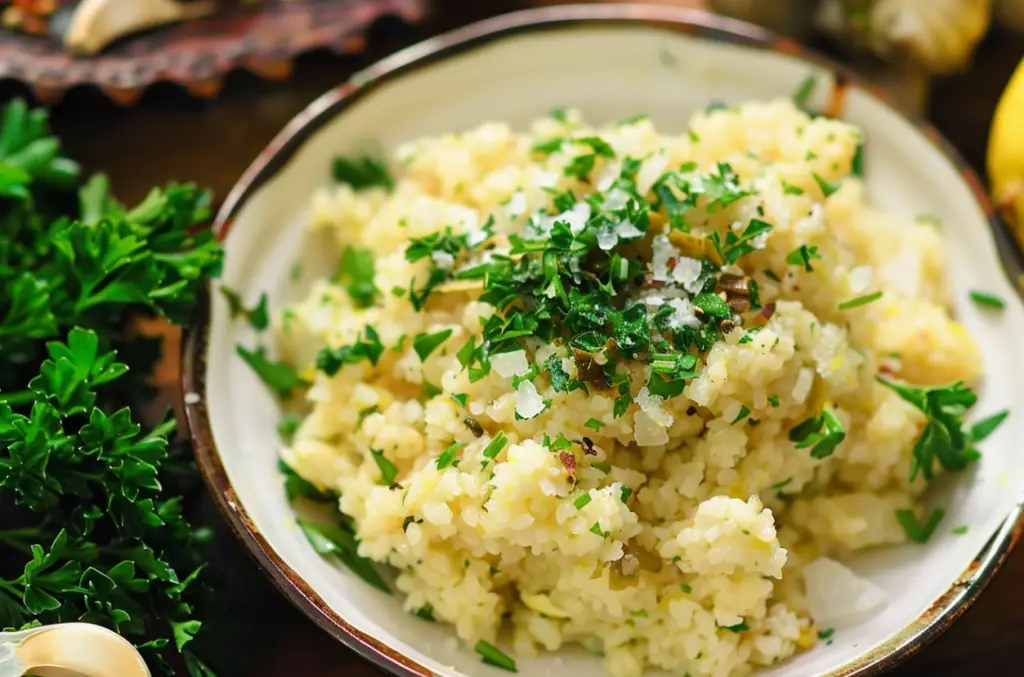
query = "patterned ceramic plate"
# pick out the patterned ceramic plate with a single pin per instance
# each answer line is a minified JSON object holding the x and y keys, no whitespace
{"x":199,"y":52}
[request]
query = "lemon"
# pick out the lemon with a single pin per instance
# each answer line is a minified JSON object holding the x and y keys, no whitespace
{"x":1006,"y":153}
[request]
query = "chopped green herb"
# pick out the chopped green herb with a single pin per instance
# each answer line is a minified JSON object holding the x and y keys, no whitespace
{"x":495,"y":446}
{"x":594,"y":424}
{"x":632,"y":119}
{"x":356,"y":274}
{"x":603,"y":467}
{"x":770,"y":274}
{"x":424,"y":344}
{"x":624,"y":493}
{"x":596,"y":529}
{"x":928,"y":220}
{"x":296,"y":486}
{"x":686,"y":588}
{"x":558,"y":114}
{"x":582,"y":500}
{"x":826,"y":633}
{"x":460,"y":399}
{"x":339,"y":541}
{"x":802,"y":256}
{"x":639,"y":613}
{"x":429,"y":390}
{"x":330,"y":361}
{"x":447,"y":456}
{"x":694,"y":137}
{"x":425,"y":612}
{"x":743,"y":413}
{"x":917,"y":532}
{"x":860,"y":301}
{"x":987,"y":300}
{"x":288,"y":426}
{"x":398,"y":291}
{"x":362,"y":172}
{"x":388,"y":471}
{"x":822,"y":433}
{"x":827,"y":187}
{"x":943,"y":437}
{"x":790,"y":189}
{"x":960,"y":530}
{"x":773,"y":400}
{"x":257,"y":315}
{"x":857,"y":165}
{"x":804,"y":92}
{"x":278,"y":376}
{"x":986,"y":426}
{"x":491,"y":655}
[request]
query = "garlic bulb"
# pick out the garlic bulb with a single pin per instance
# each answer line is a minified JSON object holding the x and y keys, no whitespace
{"x":938,"y":34}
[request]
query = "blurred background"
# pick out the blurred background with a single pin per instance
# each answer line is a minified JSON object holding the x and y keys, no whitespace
{"x":198,"y":99}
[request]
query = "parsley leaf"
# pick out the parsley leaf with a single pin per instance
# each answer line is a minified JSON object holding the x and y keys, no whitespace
{"x":491,"y":655}
{"x":943,"y":437}
{"x":424,"y":344}
{"x":278,"y":376}
{"x":257,"y":315}
{"x":987,"y":300}
{"x":823,"y":433}
{"x":388,"y":471}
{"x":356,"y":274}
{"x":803,"y":255}
{"x":339,"y":541}
{"x":917,"y":532}
{"x":362,"y":172}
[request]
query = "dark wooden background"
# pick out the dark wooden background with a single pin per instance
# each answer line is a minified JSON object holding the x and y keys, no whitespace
{"x":169,"y":136}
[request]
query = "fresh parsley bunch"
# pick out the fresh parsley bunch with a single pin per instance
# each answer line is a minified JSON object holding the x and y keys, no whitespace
{"x":91,"y":525}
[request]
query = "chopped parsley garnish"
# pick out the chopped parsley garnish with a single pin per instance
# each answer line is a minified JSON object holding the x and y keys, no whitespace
{"x":424,"y":344}
{"x":257,"y":316}
{"x":296,"y":486}
{"x":596,"y":529}
{"x":558,"y":115}
{"x":632,"y":119}
{"x":943,"y":438}
{"x":639,"y":613}
{"x":330,"y":361}
{"x":803,"y":255}
{"x":789,"y":189}
{"x":804,"y":92}
{"x":624,"y":493}
{"x":917,"y":532}
{"x":460,"y":399}
{"x":960,"y":530}
{"x":823,"y":433}
{"x":603,"y":467}
{"x":860,"y":301}
{"x":388,"y":471}
{"x":686,"y":588}
{"x":338,"y":540}
{"x":929,"y":220}
{"x":773,"y":400}
{"x":426,"y":612}
{"x":827,"y":187}
{"x":770,"y":274}
{"x":495,"y":446}
{"x":492,"y":656}
{"x":355,"y":274}
{"x":594,"y":424}
{"x":986,"y":426}
{"x":857,"y":165}
{"x":447,"y":456}
{"x":362,"y":172}
{"x":987,"y":300}
{"x":288,"y":426}
{"x":582,"y":500}
{"x":743,"y":413}
{"x":278,"y":376}
{"x":826,"y":633}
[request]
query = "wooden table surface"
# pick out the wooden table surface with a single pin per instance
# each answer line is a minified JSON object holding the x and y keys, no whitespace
{"x":171,"y":137}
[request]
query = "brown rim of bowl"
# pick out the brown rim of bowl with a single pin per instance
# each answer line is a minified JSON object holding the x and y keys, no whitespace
{"x":928,"y":626}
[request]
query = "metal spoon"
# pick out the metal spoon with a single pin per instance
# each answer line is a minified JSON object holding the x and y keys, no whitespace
{"x":79,"y":649}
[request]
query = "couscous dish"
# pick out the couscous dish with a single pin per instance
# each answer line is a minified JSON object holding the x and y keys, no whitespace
{"x":629,"y":390}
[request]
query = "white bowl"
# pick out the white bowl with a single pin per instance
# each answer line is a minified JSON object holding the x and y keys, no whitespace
{"x":610,"y":62}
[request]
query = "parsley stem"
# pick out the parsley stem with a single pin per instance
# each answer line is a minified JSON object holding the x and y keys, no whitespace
{"x":17,"y":398}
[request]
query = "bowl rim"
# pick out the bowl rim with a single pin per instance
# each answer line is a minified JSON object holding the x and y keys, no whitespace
{"x":942,"y":613}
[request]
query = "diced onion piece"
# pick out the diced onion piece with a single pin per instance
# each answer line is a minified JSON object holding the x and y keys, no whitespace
{"x":836,"y":594}
{"x":542,"y":604}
